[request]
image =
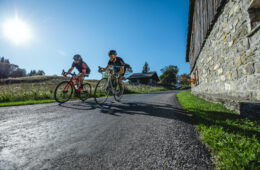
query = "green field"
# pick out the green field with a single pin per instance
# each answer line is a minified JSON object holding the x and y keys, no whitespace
{"x":41,"y":88}
{"x":233,"y":140}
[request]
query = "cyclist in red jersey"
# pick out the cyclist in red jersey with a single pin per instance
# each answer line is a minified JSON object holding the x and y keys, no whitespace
{"x":82,"y":67}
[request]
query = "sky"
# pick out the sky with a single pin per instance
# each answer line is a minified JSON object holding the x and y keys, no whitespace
{"x":140,"y":30}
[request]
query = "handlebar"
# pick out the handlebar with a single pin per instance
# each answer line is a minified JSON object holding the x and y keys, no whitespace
{"x":72,"y":74}
{"x":108,"y":69}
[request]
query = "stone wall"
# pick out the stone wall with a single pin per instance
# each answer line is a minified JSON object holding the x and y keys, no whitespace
{"x":228,"y":66}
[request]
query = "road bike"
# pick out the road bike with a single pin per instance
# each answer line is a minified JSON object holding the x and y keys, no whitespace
{"x":64,"y":90}
{"x":107,"y":86}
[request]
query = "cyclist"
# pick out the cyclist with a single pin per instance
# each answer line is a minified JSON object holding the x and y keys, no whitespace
{"x":82,"y":67}
{"x":118,"y":66}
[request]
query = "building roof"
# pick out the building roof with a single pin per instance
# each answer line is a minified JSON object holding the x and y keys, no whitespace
{"x":216,"y":5}
{"x":143,"y":75}
{"x":190,"y":22}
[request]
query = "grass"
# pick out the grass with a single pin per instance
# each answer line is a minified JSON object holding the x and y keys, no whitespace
{"x":40,"y":89}
{"x":233,"y":140}
{"x":18,"y":103}
{"x":142,"y":89}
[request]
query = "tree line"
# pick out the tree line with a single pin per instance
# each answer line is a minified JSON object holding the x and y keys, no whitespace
{"x":8,"y":69}
{"x":170,"y":75}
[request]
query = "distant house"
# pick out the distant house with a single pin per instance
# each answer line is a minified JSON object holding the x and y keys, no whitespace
{"x":150,"y":78}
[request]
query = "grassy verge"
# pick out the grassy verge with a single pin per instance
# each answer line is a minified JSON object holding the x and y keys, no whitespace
{"x":233,"y":140}
{"x":18,"y":103}
{"x":42,"y":92}
{"x":142,"y":89}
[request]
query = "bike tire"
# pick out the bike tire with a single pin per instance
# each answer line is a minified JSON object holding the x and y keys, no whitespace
{"x":86,"y":91}
{"x":98,"y":94}
{"x":57,"y":90}
{"x":119,"y":97}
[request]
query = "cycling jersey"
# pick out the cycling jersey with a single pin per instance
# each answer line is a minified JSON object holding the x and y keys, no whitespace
{"x":117,"y":64}
{"x":80,"y":66}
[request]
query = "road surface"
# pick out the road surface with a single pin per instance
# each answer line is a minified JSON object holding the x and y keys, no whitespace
{"x":147,"y":131}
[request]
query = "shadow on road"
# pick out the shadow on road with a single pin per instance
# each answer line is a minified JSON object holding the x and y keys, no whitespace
{"x":80,"y":105}
{"x":149,"y":109}
{"x":171,"y":112}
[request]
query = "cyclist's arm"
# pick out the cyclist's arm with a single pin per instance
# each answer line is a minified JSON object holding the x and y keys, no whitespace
{"x":122,"y":68}
{"x":69,"y":71}
{"x":107,"y":67}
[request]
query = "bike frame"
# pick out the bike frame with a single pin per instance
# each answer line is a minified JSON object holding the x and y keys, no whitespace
{"x":109,"y":77}
{"x":71,"y":82}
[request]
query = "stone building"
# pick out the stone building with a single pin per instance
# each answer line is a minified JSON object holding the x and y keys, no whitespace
{"x":223,"y":48}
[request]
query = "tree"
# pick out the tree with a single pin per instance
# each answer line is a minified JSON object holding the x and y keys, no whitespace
{"x":4,"y":70}
{"x":169,"y":75}
{"x":128,"y":69}
{"x":146,"y":68}
{"x":184,"y":79}
{"x":2,"y":59}
{"x":18,"y":73}
{"x":32,"y":73}
{"x":40,"y":73}
{"x":10,"y":70}
{"x":36,"y":73}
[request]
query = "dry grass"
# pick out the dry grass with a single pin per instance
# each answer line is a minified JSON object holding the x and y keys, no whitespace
{"x":42,"y":88}
{"x":31,"y":88}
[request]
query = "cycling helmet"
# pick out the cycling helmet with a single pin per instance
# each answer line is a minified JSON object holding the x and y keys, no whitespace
{"x":112,"y":52}
{"x":77,"y":57}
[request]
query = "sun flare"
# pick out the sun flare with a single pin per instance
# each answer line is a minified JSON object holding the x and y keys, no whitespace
{"x":17,"y":31}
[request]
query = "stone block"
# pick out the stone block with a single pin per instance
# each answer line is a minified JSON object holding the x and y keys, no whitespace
{"x":246,"y":43}
{"x":230,"y":43}
{"x":238,"y":61}
{"x":251,"y":52}
{"x":234,"y":74}
{"x":244,"y":95}
{"x":243,"y":59}
{"x":216,"y":67}
{"x":235,"y":23}
{"x":221,"y":60}
{"x":240,"y":72}
{"x":228,"y":75}
{"x":249,"y":69}
{"x":253,"y":82}
{"x":257,"y":67}
{"x":227,"y":86}
{"x":220,"y":71}
{"x":222,"y":78}
{"x":256,"y":95}
{"x":224,"y":37}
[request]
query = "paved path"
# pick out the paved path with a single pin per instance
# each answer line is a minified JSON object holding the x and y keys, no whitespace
{"x":148,"y":131}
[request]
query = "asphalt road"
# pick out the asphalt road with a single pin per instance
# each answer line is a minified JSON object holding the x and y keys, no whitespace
{"x":148,"y":131}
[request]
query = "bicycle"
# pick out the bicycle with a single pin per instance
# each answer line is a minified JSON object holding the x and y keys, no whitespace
{"x":108,"y":85}
{"x":64,"y":90}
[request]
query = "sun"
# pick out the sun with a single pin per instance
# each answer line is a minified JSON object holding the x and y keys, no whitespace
{"x":17,"y":31}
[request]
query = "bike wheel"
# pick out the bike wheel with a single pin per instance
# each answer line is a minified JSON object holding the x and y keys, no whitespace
{"x":63,"y":92}
{"x":86,"y":92}
{"x":101,"y":91}
{"x":119,"y":92}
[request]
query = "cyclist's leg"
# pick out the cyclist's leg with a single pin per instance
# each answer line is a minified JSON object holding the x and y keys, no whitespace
{"x":120,"y":81}
{"x":80,"y":85}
